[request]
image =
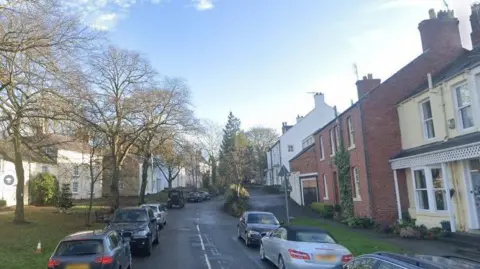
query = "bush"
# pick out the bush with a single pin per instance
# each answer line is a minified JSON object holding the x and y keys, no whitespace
{"x":359,"y":222}
{"x":3,"y":203}
{"x":236,"y":200}
{"x":65,"y":198}
{"x":43,"y":189}
{"x":325,"y":210}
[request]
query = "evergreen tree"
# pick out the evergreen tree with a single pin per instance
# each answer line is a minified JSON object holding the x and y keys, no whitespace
{"x":65,"y":199}
{"x":232,"y":128}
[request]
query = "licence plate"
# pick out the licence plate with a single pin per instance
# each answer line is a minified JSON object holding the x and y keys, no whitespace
{"x":78,"y":266}
{"x":326,"y":258}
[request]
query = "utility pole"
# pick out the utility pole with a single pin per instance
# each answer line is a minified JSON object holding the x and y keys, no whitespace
{"x":153,"y":182}
{"x":285,"y":174}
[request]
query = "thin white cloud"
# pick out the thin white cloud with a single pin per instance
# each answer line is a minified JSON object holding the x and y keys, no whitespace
{"x":203,"y":4}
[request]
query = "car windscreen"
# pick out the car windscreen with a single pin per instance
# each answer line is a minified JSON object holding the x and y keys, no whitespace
{"x":154,"y":208}
{"x":314,"y":237}
{"x":262,"y":218}
{"x":130,"y":215}
{"x":193,"y":194}
{"x":79,"y":248}
{"x":163,"y":208}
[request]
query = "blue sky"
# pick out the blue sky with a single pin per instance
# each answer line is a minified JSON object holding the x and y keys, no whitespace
{"x":260,"y":58}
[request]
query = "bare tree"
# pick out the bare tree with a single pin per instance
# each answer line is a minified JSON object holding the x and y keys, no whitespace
{"x":39,"y":46}
{"x":211,"y":137}
{"x":112,"y":104}
{"x":261,"y":139}
{"x":172,"y":161}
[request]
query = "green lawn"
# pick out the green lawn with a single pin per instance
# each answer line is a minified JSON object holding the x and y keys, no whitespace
{"x":357,"y":243}
{"x":18,"y":242}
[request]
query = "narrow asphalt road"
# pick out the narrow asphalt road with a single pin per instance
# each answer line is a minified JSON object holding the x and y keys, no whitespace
{"x":201,"y":236}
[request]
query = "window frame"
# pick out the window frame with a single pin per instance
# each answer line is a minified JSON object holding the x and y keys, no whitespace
{"x":322,"y":152}
{"x":288,"y":148}
{"x":459,"y":117}
{"x":325,"y":187}
{"x":356,"y":184}
{"x":78,"y":186}
{"x":432,"y":203}
{"x":351,"y":133}
{"x":336,"y":129}
{"x":332,"y":141}
{"x":425,"y":121}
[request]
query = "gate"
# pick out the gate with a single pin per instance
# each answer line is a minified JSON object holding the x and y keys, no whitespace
{"x":309,"y":195}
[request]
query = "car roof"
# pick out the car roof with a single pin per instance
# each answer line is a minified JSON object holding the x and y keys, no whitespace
{"x":151,"y":204}
{"x":299,"y":228}
{"x":86,"y":235}
{"x":259,"y":212}
{"x":426,"y":261}
{"x":131,"y":208}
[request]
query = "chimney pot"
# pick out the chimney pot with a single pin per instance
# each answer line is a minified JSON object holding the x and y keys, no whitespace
{"x":475,"y":23}
{"x":364,"y":77}
{"x":370,"y":76}
{"x":432,"y":14}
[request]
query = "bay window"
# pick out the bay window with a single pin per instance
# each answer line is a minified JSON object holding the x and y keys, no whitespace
{"x":429,"y":187}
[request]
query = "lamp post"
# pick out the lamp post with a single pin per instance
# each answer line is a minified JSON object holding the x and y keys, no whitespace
{"x":285,"y":174}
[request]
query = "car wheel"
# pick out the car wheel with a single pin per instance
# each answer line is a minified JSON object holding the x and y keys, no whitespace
{"x":156,"y":241}
{"x":281,"y":263}
{"x":262,"y":252}
{"x":148,"y":250}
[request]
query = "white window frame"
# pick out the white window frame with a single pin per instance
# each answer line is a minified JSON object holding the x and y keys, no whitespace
{"x":78,"y":186}
{"x":325,"y":187}
{"x":356,"y":184}
{"x":432,"y":204}
{"x":332,"y":142}
{"x":425,"y":121}
{"x":351,"y":133}
{"x":459,"y":118}
{"x":322,"y":152}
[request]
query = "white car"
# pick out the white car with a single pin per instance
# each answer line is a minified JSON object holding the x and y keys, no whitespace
{"x":161,"y":213}
{"x":297,"y":247}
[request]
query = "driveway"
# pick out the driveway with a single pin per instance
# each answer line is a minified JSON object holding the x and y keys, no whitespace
{"x":201,"y":236}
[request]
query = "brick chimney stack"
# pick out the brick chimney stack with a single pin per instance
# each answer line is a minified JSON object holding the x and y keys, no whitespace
{"x":475,"y":23}
{"x":367,"y":84}
{"x":440,"y":32}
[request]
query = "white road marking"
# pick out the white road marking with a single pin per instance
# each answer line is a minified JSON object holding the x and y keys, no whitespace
{"x":203,"y":248}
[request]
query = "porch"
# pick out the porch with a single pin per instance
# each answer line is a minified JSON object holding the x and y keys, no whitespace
{"x":443,"y":183}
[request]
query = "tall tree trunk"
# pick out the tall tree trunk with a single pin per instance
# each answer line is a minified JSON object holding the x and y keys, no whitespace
{"x":170,"y":179}
{"x":90,"y":202}
{"x":114,"y":186}
{"x":17,"y":144}
{"x":143,"y":187}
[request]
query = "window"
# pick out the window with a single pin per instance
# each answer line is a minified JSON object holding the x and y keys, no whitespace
{"x":44,"y":169}
{"x":351,"y":133}
{"x":332,"y":142}
{"x":337,"y":136}
{"x":325,"y":187}
{"x":430,"y":189}
{"x":290,"y":148}
{"x":427,"y":119}
{"x":75,"y":187}
{"x":76,"y":171}
{"x":356,"y":183}
{"x":322,"y":153}
{"x":464,"y":106}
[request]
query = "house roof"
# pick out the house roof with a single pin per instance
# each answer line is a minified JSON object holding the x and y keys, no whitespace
{"x":441,"y":145}
{"x":29,"y":153}
{"x":467,"y":60}
{"x":303,"y":151}
{"x":59,"y":142}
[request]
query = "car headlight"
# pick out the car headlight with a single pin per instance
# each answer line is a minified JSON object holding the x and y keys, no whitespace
{"x":253,"y":233}
{"x":141,"y":233}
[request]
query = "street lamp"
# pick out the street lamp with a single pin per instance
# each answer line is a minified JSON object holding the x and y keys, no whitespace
{"x":285,"y":174}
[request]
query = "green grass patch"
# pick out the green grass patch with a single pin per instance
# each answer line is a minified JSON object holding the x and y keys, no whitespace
{"x":18,"y":242}
{"x":160,"y":197}
{"x":357,"y":243}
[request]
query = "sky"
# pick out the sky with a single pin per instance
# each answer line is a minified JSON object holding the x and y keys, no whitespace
{"x":262,"y":59}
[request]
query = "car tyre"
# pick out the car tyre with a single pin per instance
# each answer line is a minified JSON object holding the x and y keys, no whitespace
{"x":156,"y":241}
{"x":281,"y":263}
{"x":148,"y":250}
{"x":262,"y":253}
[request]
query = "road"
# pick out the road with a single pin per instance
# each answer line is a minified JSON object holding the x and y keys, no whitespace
{"x":201,"y":236}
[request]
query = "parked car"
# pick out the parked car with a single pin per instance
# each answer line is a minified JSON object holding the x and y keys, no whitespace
{"x":175,"y":198}
{"x":253,"y":225}
{"x":205,"y":195}
{"x":194,"y":197}
{"x":388,"y":260}
{"x":140,"y":224}
{"x":160,"y":212}
{"x":298,"y":247}
{"x":101,"y":249}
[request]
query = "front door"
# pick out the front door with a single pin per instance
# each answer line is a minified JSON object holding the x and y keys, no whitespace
{"x":475,"y":176}
{"x":309,"y":195}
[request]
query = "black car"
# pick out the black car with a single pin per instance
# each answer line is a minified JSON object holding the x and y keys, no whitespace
{"x":194,"y":197}
{"x":100,"y":249}
{"x":140,"y":224}
{"x":253,"y":225}
{"x":175,"y":198}
{"x":388,"y":260}
{"x":205,"y":195}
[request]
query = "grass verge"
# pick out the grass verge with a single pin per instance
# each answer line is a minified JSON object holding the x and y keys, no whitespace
{"x":357,"y":243}
{"x":18,"y":242}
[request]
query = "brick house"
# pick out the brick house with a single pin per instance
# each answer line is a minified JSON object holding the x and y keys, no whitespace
{"x":370,"y":127}
{"x":304,"y":180}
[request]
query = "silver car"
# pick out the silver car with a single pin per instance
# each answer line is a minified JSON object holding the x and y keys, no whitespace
{"x":160,"y":212}
{"x":101,"y":249}
{"x":298,"y":247}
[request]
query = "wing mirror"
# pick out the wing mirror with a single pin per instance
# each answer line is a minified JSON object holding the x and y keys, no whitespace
{"x":282,"y":222}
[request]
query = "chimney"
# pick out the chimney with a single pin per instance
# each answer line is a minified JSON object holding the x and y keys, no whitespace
{"x":440,"y":32}
{"x":367,"y":84}
{"x":319,"y":99}
{"x":475,"y":23}
{"x":299,"y":118}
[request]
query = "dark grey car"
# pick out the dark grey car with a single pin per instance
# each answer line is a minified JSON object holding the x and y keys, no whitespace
{"x":253,"y":225}
{"x":102,"y":249}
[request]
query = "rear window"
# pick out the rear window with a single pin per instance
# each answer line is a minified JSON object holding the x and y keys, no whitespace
{"x":154,"y":208}
{"x":314,"y":237}
{"x":80,"y":248}
{"x":130,"y":215}
{"x":163,"y":207}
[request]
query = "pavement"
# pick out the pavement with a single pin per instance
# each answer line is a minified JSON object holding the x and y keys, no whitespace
{"x":202,"y":236}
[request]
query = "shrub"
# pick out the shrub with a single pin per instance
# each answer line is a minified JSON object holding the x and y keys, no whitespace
{"x":325,"y":210}
{"x":236,"y":200}
{"x":410,"y":232}
{"x":65,"y":198}
{"x":3,"y":203}
{"x":43,"y":189}
{"x":359,"y":222}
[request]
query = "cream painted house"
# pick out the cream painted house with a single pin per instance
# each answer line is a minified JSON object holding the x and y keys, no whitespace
{"x":440,"y":128}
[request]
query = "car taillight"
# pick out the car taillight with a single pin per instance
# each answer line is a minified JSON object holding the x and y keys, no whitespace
{"x":295,"y":254}
{"x":52,"y":263}
{"x":104,"y":260}
{"x":347,"y":258}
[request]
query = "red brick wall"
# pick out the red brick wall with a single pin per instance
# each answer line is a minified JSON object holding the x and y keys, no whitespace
{"x":305,"y":163}
{"x":381,"y":128}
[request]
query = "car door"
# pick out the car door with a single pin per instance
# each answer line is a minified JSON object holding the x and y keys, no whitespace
{"x":242,"y":225}
{"x":123,"y":249}
{"x":115,"y":248}
{"x":152,"y":225}
{"x":272,"y":246}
